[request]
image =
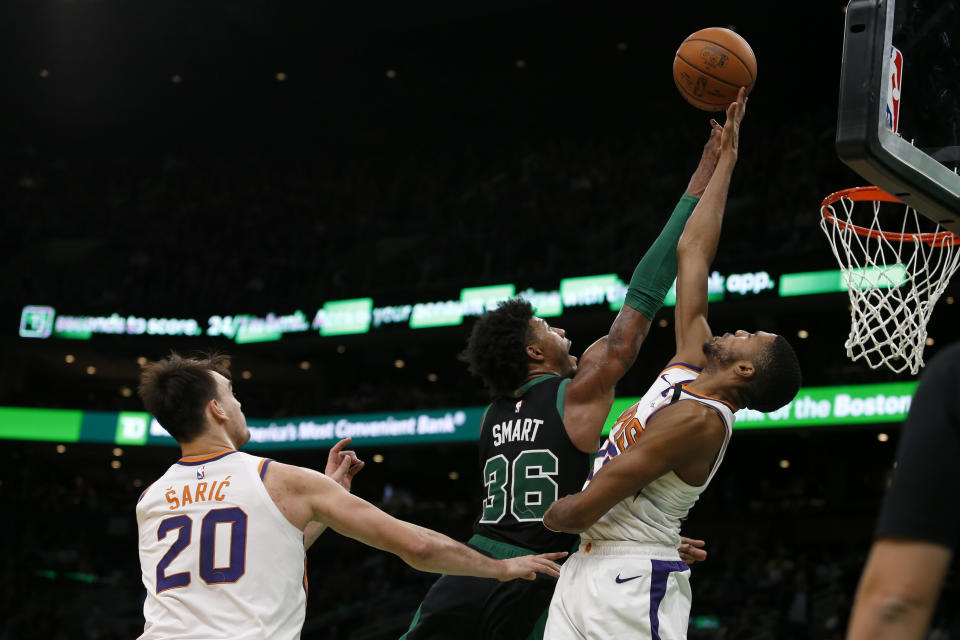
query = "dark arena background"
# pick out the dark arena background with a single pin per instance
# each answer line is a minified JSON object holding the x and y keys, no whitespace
{"x":223,"y":175}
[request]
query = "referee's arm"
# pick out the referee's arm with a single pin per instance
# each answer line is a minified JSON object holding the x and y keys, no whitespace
{"x":898,"y":590}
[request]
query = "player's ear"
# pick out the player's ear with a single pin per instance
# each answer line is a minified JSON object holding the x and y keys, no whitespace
{"x":744,"y":369}
{"x":534,"y":352}
{"x":216,"y":410}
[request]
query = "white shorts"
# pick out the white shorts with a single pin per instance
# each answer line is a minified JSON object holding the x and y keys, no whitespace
{"x":621,"y":590}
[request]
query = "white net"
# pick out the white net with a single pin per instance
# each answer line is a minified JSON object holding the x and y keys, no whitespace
{"x":894,"y":276}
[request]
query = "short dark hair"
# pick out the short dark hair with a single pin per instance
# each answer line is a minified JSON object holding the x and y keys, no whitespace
{"x":176,"y":390}
{"x":776,"y":377}
{"x":496,"y":350}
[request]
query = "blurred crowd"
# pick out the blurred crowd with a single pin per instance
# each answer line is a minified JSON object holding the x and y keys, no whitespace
{"x":256,"y":229}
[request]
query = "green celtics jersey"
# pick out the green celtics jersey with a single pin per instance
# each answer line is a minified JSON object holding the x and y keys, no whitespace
{"x":527,"y":462}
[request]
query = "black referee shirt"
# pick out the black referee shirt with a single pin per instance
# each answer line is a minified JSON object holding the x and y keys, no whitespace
{"x":922,"y":500}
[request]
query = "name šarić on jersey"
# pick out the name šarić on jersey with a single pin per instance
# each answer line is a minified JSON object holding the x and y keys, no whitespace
{"x":520,"y":429}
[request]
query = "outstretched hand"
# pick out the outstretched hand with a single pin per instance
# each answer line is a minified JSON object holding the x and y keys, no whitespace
{"x":692,"y":550}
{"x":527,"y":567}
{"x":342,"y":465}
{"x":708,"y":162}
{"x":730,"y":138}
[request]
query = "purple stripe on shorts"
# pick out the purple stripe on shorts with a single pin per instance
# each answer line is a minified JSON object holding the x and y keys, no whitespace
{"x":660,"y":571}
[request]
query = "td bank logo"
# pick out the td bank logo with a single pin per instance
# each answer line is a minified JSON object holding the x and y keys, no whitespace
{"x":36,"y":322}
{"x":132,"y":428}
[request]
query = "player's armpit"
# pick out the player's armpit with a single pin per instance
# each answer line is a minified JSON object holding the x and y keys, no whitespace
{"x":898,"y":590}
{"x":589,"y":394}
{"x":685,"y":435}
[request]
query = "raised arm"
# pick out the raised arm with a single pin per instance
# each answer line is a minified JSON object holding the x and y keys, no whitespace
{"x":698,"y":245}
{"x":304,"y":495}
{"x":590,"y":393}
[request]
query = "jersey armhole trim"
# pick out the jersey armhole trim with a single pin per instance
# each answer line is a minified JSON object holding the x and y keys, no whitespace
{"x":561,"y":395}
{"x":144,"y":492}
{"x":262,"y":468}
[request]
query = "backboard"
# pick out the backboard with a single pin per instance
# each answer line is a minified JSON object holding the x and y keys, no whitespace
{"x":899,"y":113}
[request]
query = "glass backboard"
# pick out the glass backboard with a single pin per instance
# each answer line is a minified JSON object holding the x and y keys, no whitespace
{"x":899,"y":113}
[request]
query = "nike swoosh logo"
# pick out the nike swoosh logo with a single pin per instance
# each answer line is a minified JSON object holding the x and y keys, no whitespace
{"x":622,"y":580}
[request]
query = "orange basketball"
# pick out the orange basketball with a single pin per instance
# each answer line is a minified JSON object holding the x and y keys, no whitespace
{"x":711,"y":65}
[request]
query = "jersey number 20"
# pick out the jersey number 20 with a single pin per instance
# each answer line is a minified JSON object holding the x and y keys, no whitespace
{"x":528,"y":486}
{"x":210,"y":573}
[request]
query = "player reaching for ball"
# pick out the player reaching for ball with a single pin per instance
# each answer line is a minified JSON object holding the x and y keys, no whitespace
{"x":627,"y":580}
{"x":223,"y":534}
{"x":539,"y":434}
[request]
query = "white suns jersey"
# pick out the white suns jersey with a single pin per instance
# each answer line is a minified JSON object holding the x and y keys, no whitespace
{"x":218,"y":558}
{"x":653,"y":515}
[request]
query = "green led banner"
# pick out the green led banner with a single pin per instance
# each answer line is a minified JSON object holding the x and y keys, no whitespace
{"x":138,"y":428}
{"x":40,"y":424}
{"x":820,"y":407}
{"x":343,"y":317}
{"x":814,"y":282}
{"x":813,"y":407}
{"x":360,"y":315}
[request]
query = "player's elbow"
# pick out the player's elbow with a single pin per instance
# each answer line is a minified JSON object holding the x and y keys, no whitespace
{"x":625,"y":347}
{"x":565,"y":520}
{"x":893,"y":608}
{"x":689,"y":246}
{"x":418,"y":549}
{"x":880,"y":613}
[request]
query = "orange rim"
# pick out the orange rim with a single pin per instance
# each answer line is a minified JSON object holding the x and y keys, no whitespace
{"x":876,"y":194}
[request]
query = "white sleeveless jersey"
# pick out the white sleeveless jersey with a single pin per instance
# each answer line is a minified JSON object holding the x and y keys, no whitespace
{"x":218,"y":558}
{"x":654,"y":514}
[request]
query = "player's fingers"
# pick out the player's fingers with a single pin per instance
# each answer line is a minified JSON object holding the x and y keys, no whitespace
{"x":355,"y":469}
{"x":692,"y":541}
{"x":556,"y":555}
{"x":691,"y":552}
{"x":345,"y":463}
{"x":549,"y":568}
{"x":340,"y":445}
{"x":731,"y":113}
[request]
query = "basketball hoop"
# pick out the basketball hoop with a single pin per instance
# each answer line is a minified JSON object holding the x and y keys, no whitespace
{"x":894,"y":276}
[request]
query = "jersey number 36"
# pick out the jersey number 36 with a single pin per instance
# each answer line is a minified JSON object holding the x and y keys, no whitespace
{"x":527,"y":487}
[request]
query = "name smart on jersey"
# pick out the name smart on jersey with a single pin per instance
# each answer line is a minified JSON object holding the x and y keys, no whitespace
{"x":521,"y":429}
{"x":201,"y":492}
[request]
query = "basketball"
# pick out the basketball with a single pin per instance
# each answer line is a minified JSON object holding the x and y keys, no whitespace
{"x":710,"y":67}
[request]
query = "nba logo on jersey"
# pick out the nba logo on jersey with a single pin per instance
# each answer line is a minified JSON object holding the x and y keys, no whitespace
{"x":519,"y":404}
{"x":201,"y":472}
{"x":893,"y":89}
